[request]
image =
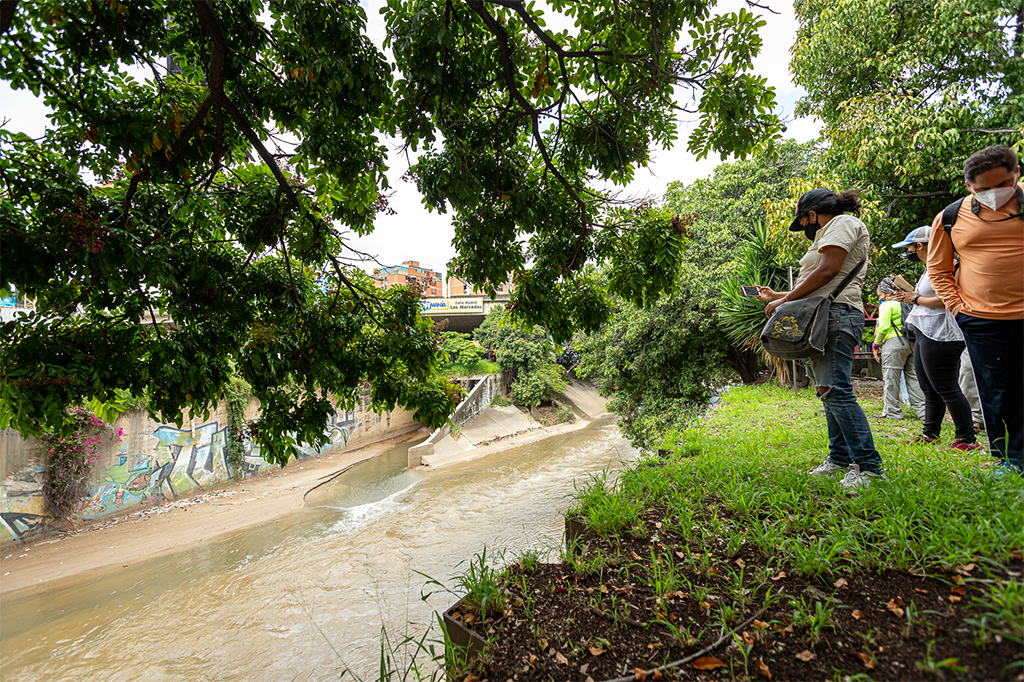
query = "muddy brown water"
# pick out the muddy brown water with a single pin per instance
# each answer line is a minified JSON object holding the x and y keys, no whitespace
{"x":306,"y":597}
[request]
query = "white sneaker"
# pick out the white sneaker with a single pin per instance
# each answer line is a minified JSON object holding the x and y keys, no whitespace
{"x":855,"y":479}
{"x":828,"y":468}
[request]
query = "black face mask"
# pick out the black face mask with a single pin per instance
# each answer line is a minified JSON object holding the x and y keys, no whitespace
{"x":910,"y":257}
{"x":812,"y":229}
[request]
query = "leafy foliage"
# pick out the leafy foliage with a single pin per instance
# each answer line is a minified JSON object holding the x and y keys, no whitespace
{"x":515,"y":120}
{"x":184,"y":215}
{"x":742,"y":317}
{"x":660,"y":365}
{"x":907,"y":91}
{"x":460,"y":349}
{"x":542,"y":384}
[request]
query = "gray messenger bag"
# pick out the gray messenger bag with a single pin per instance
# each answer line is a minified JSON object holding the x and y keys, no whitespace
{"x":798,"y":329}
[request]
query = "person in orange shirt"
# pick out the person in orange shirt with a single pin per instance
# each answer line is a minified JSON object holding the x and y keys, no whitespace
{"x":985,"y":290}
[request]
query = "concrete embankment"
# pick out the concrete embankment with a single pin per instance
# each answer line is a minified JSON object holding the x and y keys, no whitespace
{"x":480,"y":424}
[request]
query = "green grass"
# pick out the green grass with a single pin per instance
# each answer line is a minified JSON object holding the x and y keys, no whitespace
{"x":454,"y":369}
{"x":740,"y":476}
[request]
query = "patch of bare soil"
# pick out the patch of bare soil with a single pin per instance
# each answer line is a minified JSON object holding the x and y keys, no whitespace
{"x":632,"y":616}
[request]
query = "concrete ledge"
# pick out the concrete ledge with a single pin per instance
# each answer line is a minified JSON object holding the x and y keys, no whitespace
{"x":479,"y":398}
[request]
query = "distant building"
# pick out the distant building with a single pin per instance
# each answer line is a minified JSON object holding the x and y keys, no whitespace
{"x":410,"y":274}
{"x":460,"y":287}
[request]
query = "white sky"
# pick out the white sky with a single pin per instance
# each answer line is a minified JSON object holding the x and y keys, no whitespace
{"x":414,"y":233}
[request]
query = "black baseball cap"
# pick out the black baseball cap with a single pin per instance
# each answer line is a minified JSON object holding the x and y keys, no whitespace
{"x":807,"y":203}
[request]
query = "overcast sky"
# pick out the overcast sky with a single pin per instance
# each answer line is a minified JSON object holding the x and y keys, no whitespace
{"x":413,"y":233}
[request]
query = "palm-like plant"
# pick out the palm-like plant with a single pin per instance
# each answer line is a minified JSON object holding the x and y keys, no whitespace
{"x":742,"y":317}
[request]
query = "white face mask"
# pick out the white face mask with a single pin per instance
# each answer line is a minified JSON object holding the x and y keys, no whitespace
{"x":994,"y":198}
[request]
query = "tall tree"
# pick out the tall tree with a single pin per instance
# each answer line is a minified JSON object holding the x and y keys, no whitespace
{"x":907,"y":90}
{"x":216,"y":193}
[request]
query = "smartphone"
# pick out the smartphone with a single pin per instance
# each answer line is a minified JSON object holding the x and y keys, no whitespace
{"x":749,"y":291}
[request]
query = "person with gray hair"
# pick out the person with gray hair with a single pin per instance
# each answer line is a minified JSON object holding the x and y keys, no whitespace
{"x":897,"y":355}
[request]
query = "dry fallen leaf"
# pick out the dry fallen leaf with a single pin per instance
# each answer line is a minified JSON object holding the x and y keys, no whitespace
{"x":470,"y":678}
{"x":740,"y":563}
{"x":780,"y":576}
{"x":967,"y":568}
{"x":894,"y":606}
{"x":953,"y":599}
{"x":584,"y":668}
{"x":846,"y":554}
{"x":763,"y":668}
{"x":595,"y":651}
{"x":920,"y":591}
{"x":857,"y":613}
{"x":958,"y":579}
{"x":468,"y":618}
{"x":708,"y":663}
{"x":1017,"y":554}
{"x":680,"y":555}
{"x":560,"y":658}
{"x":748,"y":639}
{"x":868,"y":662}
{"x":634,"y":556}
{"x":958,"y":590}
{"x":533,"y":659}
{"x":840,"y":583}
{"x":640,"y":673}
{"x":543,"y":643}
{"x":806,"y":655}
{"x":658,"y":675}
{"x":760,"y":624}
{"x":604,"y":589}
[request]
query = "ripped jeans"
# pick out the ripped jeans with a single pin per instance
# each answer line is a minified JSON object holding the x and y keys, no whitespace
{"x":849,"y":435}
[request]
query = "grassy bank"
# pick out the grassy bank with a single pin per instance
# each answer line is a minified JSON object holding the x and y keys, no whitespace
{"x":724,"y":554}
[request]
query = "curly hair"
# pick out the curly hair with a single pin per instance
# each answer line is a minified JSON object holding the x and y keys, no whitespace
{"x":996,"y":156}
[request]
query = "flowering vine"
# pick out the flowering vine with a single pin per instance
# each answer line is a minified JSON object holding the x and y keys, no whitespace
{"x":71,"y":455}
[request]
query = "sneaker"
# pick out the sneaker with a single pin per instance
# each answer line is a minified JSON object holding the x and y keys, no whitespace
{"x":829,"y":468}
{"x":1003,"y":469}
{"x":979,"y":427}
{"x":921,"y":439}
{"x":885,"y":416}
{"x":855,"y":479}
{"x":964,"y":446}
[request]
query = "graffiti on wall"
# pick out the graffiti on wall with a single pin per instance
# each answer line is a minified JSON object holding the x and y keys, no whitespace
{"x":152,"y":466}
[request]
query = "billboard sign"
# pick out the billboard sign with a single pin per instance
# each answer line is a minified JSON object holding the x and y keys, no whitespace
{"x":452,"y":305}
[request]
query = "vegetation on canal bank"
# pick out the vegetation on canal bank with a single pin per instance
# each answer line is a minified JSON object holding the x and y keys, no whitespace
{"x":720,"y":551}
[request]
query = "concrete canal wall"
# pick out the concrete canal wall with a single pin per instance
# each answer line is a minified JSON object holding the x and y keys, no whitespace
{"x":154,"y":462}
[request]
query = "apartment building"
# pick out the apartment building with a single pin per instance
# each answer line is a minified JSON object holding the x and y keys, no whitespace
{"x":410,"y":273}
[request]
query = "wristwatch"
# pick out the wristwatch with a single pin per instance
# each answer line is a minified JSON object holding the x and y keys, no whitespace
{"x":914,"y":300}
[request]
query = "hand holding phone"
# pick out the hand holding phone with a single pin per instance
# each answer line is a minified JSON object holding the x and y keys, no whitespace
{"x":749,"y":291}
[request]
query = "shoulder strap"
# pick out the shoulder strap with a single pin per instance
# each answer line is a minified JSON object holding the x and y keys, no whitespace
{"x":949,"y":215}
{"x":849,"y":278}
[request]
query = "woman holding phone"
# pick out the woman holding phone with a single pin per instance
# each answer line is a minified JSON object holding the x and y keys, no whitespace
{"x":937,"y":349}
{"x":839,"y":245}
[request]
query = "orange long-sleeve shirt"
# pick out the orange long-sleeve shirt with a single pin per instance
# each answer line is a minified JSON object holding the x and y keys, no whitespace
{"x":990,"y":281}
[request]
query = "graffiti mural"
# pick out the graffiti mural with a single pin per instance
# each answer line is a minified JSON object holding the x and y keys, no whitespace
{"x":153,"y":463}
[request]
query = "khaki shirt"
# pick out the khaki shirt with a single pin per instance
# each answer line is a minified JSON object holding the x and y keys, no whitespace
{"x":849,"y":234}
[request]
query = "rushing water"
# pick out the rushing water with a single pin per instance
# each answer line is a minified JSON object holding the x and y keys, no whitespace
{"x":305,"y":597}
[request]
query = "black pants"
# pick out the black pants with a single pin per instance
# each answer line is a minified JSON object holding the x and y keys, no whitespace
{"x":997,"y":353}
{"x":938,"y":368}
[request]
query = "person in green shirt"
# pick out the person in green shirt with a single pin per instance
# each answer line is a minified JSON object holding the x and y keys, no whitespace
{"x":897,"y":356}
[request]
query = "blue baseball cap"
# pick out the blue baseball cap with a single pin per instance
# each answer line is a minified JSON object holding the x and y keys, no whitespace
{"x":919,"y":235}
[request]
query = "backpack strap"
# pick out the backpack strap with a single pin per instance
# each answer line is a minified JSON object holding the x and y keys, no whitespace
{"x":949,"y":215}
{"x":849,"y":278}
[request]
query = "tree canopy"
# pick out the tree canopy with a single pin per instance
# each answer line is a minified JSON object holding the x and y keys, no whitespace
{"x":183,"y":218}
{"x":907,"y":90}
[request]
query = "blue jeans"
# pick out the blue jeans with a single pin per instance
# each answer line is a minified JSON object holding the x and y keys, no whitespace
{"x":849,"y":435}
{"x":997,"y":353}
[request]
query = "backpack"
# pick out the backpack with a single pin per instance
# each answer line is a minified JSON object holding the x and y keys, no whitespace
{"x":904,"y":330}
